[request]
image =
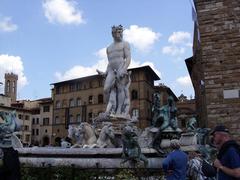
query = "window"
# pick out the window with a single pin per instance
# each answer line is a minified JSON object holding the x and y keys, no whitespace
{"x":26,"y":128}
{"x":33,"y":120}
{"x":90,"y":116}
{"x":135,"y":113}
{"x":100,"y":99}
{"x":37,"y":122}
{"x":19,"y":116}
{"x":45,"y":130}
{"x":27,"y":137}
{"x":45,"y":121}
{"x":14,"y":86}
{"x":79,"y":102}
{"x":33,"y":132}
{"x":46,"y":108}
{"x":58,"y":104}
{"x":57,"y":120}
{"x":79,"y":119}
{"x":90,"y":99}
{"x":64,"y":103}
{"x":100,"y":83}
{"x":27,"y":117}
{"x":71,"y":119}
{"x":134,"y":94}
{"x":78,"y":86}
{"x":57,"y":90}
{"x":8,"y":86}
{"x":133,"y":77}
{"x":37,"y":132}
{"x":90,"y":84}
{"x":71,"y":102}
{"x":72,"y":87}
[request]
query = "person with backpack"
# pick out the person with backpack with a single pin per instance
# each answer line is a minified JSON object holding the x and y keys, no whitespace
{"x":228,"y":157}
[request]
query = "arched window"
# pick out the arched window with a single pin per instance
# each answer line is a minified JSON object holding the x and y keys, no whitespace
{"x":100,"y":99}
{"x":135,"y":113}
{"x":79,"y":102}
{"x":64,"y":103}
{"x":134,"y":94}
{"x":90,"y":99}
{"x":8,"y":86}
{"x":58,"y":104}
{"x":14,"y":86}
{"x":57,"y":120}
{"x":79,"y":119}
{"x":71,"y":102}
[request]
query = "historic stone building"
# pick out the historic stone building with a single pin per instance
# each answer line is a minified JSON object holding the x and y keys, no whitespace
{"x":11,"y":86}
{"x":35,"y":116}
{"x":42,"y":122}
{"x":186,"y":110}
{"x":215,"y":65}
{"x":81,"y":100}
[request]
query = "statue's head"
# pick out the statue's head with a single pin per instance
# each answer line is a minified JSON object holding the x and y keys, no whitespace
{"x":117,"y":32}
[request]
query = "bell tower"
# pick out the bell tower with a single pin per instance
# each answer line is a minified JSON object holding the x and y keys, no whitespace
{"x":11,"y":86}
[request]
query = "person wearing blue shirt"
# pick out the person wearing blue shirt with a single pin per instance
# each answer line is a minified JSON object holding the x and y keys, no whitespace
{"x":228,"y":157}
{"x":175,"y":164}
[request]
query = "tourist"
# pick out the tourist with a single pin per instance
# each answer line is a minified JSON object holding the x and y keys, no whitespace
{"x":194,"y":169}
{"x":175,"y":164}
{"x":119,"y":58}
{"x":228,"y":157}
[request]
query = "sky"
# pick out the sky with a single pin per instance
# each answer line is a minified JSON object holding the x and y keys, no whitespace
{"x":47,"y":41}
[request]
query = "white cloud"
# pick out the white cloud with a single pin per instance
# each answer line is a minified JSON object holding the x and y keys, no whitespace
{"x":180,"y":37}
{"x":173,"y":50}
{"x":81,"y":71}
{"x":12,"y":64}
{"x":62,"y":11}
{"x":102,"y":53}
{"x":141,"y":37}
{"x":178,"y":42}
{"x":6,"y":25}
{"x":184,"y":81}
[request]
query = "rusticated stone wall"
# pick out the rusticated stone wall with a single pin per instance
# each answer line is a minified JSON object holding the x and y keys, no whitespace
{"x":219,"y":26}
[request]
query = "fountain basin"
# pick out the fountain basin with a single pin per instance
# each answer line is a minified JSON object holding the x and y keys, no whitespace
{"x":82,"y":157}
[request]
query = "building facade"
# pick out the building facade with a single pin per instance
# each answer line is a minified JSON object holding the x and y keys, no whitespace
{"x":5,"y":100}
{"x":42,"y":113}
{"x":215,"y":65}
{"x":186,"y":110}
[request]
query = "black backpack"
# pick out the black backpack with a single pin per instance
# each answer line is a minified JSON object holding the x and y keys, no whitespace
{"x":208,"y":169}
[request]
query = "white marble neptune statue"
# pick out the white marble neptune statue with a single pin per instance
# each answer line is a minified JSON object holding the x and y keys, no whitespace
{"x":117,"y":80}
